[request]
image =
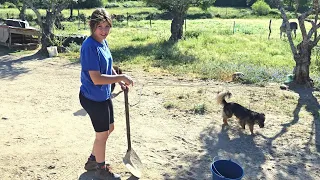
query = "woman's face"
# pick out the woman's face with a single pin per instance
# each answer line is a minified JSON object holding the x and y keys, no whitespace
{"x":102,"y":31}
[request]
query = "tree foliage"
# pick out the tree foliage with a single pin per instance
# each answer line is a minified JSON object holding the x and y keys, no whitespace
{"x":53,"y":9}
{"x":180,"y":4}
{"x":310,"y":38}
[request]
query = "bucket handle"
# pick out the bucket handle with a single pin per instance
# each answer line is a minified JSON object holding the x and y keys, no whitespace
{"x":214,"y":159}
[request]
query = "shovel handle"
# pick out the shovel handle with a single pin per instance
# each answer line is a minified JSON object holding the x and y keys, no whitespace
{"x":126,"y":103}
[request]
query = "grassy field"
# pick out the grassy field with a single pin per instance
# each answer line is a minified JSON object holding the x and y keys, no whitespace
{"x":212,"y":49}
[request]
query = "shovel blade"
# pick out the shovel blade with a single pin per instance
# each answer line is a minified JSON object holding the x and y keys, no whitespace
{"x":133,"y":163}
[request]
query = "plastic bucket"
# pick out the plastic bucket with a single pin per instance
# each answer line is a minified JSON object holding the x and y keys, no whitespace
{"x":226,"y":170}
{"x":289,"y":79}
{"x":52,"y":51}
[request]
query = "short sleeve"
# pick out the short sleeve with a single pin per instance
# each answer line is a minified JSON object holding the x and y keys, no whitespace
{"x":89,"y":59}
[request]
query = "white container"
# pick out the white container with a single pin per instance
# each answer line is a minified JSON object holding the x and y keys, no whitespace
{"x":52,"y":51}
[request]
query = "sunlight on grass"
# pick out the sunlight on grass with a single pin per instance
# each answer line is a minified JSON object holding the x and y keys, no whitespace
{"x":211,"y":49}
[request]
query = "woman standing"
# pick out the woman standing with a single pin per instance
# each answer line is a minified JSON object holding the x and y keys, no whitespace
{"x":97,"y":75}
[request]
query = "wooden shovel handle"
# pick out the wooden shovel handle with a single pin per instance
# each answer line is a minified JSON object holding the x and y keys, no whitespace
{"x":126,"y":103}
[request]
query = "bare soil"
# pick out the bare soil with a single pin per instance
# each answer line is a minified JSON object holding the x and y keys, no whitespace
{"x":45,"y":134}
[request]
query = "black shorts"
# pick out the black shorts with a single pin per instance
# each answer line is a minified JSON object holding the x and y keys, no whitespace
{"x":101,"y":113}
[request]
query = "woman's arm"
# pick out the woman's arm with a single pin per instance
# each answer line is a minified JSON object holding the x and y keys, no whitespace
{"x":100,"y":79}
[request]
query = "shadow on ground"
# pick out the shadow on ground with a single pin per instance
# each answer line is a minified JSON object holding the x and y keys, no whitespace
{"x":163,"y":54}
{"x":8,"y":68}
{"x":297,"y":168}
{"x":241,"y":149}
{"x":295,"y":161}
{"x":89,"y":175}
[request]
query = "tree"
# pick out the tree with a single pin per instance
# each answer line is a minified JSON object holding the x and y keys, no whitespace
{"x":302,"y":52}
{"x":53,"y":9}
{"x":178,"y":10}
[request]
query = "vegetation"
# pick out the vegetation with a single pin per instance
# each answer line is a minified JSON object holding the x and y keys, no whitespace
{"x":302,"y":50}
{"x":213,"y":46}
{"x":212,"y":52}
{"x":178,"y":10}
{"x":261,"y":8}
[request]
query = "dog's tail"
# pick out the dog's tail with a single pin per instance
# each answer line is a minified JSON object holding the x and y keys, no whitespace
{"x":222,"y":96}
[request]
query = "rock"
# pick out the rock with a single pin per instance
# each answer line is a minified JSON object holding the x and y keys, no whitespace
{"x":284,"y":87}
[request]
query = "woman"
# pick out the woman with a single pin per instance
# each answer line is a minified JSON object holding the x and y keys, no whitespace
{"x":95,"y":94}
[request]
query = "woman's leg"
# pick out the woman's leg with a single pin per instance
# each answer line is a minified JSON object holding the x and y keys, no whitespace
{"x":99,"y":146}
{"x":102,"y":137}
{"x":110,"y":131}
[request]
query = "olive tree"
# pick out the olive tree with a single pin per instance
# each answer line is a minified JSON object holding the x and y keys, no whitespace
{"x":53,"y":9}
{"x":310,"y":38}
{"x":178,"y":10}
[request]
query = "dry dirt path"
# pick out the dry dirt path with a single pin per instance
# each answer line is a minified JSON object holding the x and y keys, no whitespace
{"x":45,"y":134}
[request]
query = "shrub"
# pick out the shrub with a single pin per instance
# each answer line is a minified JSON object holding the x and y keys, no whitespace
{"x":8,"y":5}
{"x":112,"y":5}
{"x":200,"y":109}
{"x":169,"y":105}
{"x":275,"y":12}
{"x":192,"y":34}
{"x":90,"y":4}
{"x":261,"y":8}
{"x":29,"y":17}
{"x":74,"y":47}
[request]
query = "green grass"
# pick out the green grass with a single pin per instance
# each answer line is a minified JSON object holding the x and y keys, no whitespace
{"x":215,"y":52}
{"x":210,"y":49}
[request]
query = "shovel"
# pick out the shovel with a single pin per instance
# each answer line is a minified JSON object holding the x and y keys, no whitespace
{"x":131,"y":159}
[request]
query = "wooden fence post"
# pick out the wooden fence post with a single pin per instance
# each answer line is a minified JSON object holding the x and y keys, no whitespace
{"x":269,"y":29}
{"x":234,"y":26}
{"x":127,"y":19}
{"x":185,"y":25}
{"x":150,"y":20}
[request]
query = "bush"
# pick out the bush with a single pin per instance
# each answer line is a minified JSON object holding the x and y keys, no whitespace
{"x":200,"y":109}
{"x":74,"y":47}
{"x":8,"y":5}
{"x":90,"y":4}
{"x":261,"y":8}
{"x":112,"y":5}
{"x":275,"y":12}
{"x":29,"y":17}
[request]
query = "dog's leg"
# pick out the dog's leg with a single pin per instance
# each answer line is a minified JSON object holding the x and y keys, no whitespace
{"x":242,"y":123}
{"x":225,"y":118}
{"x":225,"y":121}
{"x":251,"y":128}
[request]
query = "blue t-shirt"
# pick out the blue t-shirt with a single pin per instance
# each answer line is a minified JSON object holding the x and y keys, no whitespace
{"x":95,"y":56}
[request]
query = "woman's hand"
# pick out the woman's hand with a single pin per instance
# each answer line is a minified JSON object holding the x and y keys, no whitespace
{"x":123,"y":86}
{"x":127,"y":80}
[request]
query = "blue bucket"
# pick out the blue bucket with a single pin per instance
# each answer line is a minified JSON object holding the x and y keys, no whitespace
{"x":226,"y":170}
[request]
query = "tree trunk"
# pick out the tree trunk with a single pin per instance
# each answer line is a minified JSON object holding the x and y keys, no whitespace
{"x":71,"y":11}
{"x":177,"y":26}
{"x":22,"y":14}
{"x":303,"y":60}
{"x":47,"y":31}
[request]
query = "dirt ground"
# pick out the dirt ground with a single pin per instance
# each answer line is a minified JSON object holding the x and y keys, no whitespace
{"x":45,"y":134}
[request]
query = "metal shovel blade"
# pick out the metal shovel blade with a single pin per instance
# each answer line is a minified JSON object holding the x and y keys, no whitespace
{"x":133,"y":163}
{"x":131,"y":159}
